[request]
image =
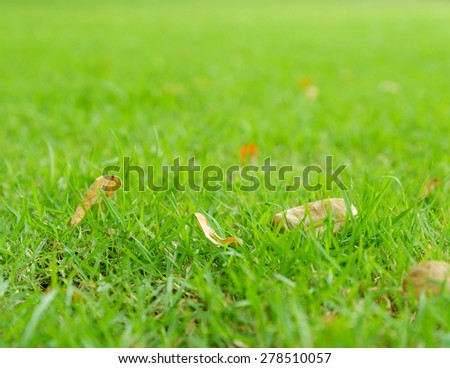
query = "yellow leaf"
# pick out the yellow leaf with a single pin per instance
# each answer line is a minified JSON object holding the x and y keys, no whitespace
{"x":108,"y":183}
{"x":429,"y":278}
{"x":430,"y":187}
{"x":211,"y":234}
{"x":305,"y":82}
{"x":312,"y":92}
{"x":249,"y":150}
{"x":314,"y":215}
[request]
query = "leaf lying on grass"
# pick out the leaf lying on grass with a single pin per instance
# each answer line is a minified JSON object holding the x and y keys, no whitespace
{"x":430,"y":187}
{"x":108,"y":183}
{"x":312,"y":93}
{"x":211,"y":234}
{"x":429,"y":278}
{"x":248,"y":151}
{"x":314,"y":215}
{"x":306,"y":83}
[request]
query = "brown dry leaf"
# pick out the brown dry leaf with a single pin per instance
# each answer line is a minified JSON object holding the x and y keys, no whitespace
{"x":108,"y":183}
{"x":211,"y":234}
{"x":429,"y":278}
{"x":305,"y":82}
{"x":312,"y":92}
{"x":330,"y":317}
{"x":430,"y":187}
{"x":248,"y":151}
{"x":314,"y":215}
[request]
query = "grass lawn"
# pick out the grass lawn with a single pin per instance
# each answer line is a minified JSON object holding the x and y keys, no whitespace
{"x":84,"y":84}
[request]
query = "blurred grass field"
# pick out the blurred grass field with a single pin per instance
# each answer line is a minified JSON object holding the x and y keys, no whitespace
{"x":83,"y":85}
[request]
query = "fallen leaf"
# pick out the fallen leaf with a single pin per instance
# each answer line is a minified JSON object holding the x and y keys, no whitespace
{"x":430,"y":187}
{"x":428,"y":278}
{"x":240,"y":344}
{"x":108,"y":183}
{"x":211,"y":234}
{"x":305,"y":82}
{"x":312,"y":92}
{"x":314,"y":215}
{"x":249,"y":150}
{"x":330,"y":317}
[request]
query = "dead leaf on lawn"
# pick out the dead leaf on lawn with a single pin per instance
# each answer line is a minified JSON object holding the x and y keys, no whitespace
{"x":108,"y":183}
{"x":429,"y":278}
{"x":249,"y":152}
{"x":314,"y":215}
{"x":430,"y":187}
{"x":211,"y":234}
{"x":312,"y":92}
{"x":304,"y":82}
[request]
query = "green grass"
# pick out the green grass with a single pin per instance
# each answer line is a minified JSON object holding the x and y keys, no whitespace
{"x":82,"y":86}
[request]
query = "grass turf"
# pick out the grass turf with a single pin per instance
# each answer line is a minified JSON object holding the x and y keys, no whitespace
{"x":82,"y":86}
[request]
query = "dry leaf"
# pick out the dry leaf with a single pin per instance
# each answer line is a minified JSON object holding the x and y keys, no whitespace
{"x":211,"y":234}
{"x":108,"y":183}
{"x":305,"y":82}
{"x":314,"y":215}
{"x":428,"y":277}
{"x":248,"y":150}
{"x":312,"y":92}
{"x":430,"y":187}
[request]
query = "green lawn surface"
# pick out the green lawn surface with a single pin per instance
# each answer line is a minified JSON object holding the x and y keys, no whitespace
{"x":85,"y":84}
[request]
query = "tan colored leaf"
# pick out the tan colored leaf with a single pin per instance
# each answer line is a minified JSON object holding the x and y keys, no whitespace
{"x":429,"y":278}
{"x":389,"y":86}
{"x":314,"y":215}
{"x":430,"y":187}
{"x":108,"y":183}
{"x":211,"y":234}
{"x":312,"y":92}
{"x":305,"y":82}
{"x":248,"y":151}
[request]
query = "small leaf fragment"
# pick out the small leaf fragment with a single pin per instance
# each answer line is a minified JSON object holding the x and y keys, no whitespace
{"x":211,"y":234}
{"x":249,"y":150}
{"x":312,"y":93}
{"x":314,"y":215}
{"x":430,"y":187}
{"x":304,"y":82}
{"x":108,"y":183}
{"x":428,"y":278}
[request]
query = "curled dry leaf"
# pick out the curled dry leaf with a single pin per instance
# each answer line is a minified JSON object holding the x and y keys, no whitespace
{"x":108,"y":183}
{"x":211,"y":234}
{"x":428,"y":278}
{"x":430,"y":187}
{"x":314,"y":215}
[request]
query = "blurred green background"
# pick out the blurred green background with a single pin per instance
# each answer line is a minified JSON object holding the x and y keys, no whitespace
{"x":84,"y":83}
